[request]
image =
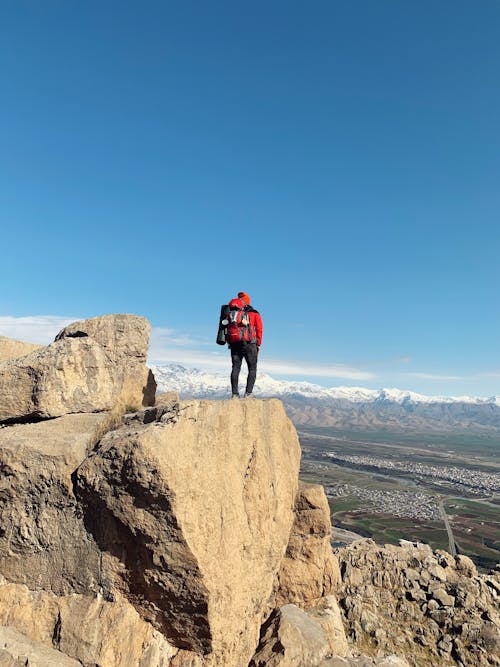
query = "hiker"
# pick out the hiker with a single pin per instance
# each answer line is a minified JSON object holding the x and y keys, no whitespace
{"x":244,"y":337}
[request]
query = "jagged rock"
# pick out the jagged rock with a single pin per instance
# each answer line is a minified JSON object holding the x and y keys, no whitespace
{"x":443,"y":598}
{"x":90,"y":367}
{"x":43,"y":541}
{"x":16,"y":650}
{"x":193,"y":517}
{"x":459,"y":619}
{"x":291,"y":638}
{"x":12,"y":349}
{"x":158,"y":413}
{"x":327,"y":613}
{"x":309,"y":571}
{"x":465,"y":565}
{"x":364,"y":661}
{"x":90,"y":630}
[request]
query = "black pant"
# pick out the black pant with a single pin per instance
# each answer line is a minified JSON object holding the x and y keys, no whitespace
{"x":240,"y":351}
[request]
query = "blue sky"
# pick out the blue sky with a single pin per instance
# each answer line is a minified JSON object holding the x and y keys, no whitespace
{"x":340,"y":162}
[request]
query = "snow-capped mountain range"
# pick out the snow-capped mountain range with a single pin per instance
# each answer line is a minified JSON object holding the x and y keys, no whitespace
{"x":349,"y":408}
{"x":194,"y":383}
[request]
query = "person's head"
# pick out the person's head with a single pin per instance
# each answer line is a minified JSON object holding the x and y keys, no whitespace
{"x":244,"y":297}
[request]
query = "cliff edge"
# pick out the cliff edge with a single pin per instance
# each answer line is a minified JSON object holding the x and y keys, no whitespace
{"x":176,"y":534}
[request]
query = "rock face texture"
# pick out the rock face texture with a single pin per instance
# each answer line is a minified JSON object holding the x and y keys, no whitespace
{"x":430,"y":607}
{"x":16,"y":650}
{"x":12,"y":349}
{"x":90,"y":629}
{"x":90,"y":367}
{"x":292,"y":637}
{"x":193,"y":522}
{"x":43,"y":542}
{"x":309,"y":570}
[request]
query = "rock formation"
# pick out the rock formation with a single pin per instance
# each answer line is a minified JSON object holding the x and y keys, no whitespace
{"x":178,"y":535}
{"x":194,"y":515}
{"x":432,"y":607}
{"x":41,"y":533}
{"x":90,"y":367}
{"x":309,"y":571}
{"x":12,"y":349}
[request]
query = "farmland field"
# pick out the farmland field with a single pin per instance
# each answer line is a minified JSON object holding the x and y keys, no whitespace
{"x":404,"y":487}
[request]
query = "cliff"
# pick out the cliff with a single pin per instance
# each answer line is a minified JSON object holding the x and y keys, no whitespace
{"x":176,"y":534}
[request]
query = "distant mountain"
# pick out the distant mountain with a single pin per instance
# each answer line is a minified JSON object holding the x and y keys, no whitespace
{"x":347,"y":407}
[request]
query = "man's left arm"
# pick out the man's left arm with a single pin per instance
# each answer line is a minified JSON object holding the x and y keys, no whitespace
{"x":259,"y":328}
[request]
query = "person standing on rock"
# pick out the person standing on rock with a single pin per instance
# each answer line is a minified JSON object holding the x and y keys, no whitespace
{"x":244,"y":337}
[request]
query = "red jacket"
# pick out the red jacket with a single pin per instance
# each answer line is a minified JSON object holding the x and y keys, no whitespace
{"x":256,"y":322}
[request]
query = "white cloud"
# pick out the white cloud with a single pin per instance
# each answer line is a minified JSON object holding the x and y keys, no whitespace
{"x":430,"y":376}
{"x":310,"y":369}
{"x":162,"y":337}
{"x":167,"y":345}
{"x":40,"y":329}
{"x":188,"y":357}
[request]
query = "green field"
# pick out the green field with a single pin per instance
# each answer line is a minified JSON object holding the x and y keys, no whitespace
{"x":475,"y":522}
{"x":474,"y":452}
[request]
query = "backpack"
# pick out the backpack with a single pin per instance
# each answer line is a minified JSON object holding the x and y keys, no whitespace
{"x":237,"y":321}
{"x":222,"y":331}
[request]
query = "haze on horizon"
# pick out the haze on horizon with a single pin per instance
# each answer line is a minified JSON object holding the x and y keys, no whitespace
{"x":338,"y":162}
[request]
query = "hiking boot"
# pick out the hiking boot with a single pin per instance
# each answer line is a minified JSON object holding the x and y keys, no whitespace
{"x":235,"y":396}
{"x":249,"y":395}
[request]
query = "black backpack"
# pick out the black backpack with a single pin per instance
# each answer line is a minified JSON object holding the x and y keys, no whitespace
{"x":223,"y":322}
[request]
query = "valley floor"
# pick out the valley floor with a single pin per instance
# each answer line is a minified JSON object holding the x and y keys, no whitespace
{"x":390,"y":488}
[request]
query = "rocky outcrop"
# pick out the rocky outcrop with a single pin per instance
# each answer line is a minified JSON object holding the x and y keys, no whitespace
{"x":43,"y":542}
{"x":90,"y":367}
{"x":309,"y":571}
{"x":430,"y":607}
{"x":194,"y":516}
{"x":169,"y":529}
{"x":92,"y":630}
{"x":175,"y":535}
{"x":292,"y":637}
{"x":12,"y":349}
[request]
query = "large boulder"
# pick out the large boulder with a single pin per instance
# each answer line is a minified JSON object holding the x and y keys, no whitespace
{"x":90,"y":367}
{"x":43,"y":541}
{"x":12,"y":349}
{"x":292,"y":637}
{"x":193,"y":514}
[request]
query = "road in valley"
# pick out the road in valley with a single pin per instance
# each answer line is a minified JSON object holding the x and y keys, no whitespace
{"x":451,"y":539}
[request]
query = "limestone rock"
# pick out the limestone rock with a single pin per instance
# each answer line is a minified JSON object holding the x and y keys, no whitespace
{"x":309,"y":571}
{"x":466,"y":565}
{"x":291,"y":638}
{"x":446,"y":615}
{"x":193,"y":516}
{"x":43,"y":540}
{"x":90,"y":367}
{"x":90,"y":630}
{"x":327,"y":613}
{"x":16,"y":650}
{"x":365,"y":661}
{"x":12,"y":349}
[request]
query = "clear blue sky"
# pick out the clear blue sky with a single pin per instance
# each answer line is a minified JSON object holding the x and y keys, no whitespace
{"x":339,"y":161}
